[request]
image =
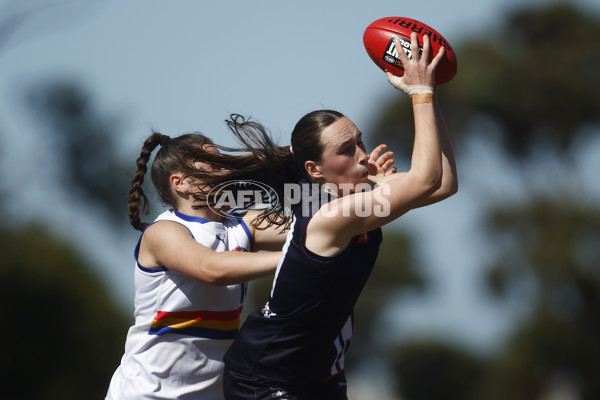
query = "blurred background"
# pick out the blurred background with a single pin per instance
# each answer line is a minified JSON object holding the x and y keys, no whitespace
{"x":491,"y":294}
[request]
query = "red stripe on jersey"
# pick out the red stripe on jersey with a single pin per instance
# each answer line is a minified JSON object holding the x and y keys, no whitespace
{"x":200,"y":315}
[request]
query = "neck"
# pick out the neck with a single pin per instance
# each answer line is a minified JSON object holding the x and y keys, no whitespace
{"x":330,"y":188}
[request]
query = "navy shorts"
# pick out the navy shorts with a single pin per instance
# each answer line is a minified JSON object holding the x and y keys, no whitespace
{"x":238,"y":386}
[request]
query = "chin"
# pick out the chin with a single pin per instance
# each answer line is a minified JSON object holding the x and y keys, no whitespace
{"x":359,"y":181}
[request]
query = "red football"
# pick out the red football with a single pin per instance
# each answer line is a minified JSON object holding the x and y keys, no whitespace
{"x":379,"y":43}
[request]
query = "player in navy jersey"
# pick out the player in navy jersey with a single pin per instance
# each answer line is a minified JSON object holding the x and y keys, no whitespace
{"x":293,"y":348}
{"x":299,"y":338}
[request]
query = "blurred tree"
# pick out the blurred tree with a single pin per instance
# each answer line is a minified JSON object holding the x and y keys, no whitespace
{"x":3,"y":189}
{"x":435,"y":371}
{"x":535,"y":79}
{"x":534,"y":83}
{"x":555,"y":244}
{"x":63,"y":335}
{"x":83,"y":144}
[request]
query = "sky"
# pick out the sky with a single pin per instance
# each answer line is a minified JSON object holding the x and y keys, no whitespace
{"x":183,"y":66}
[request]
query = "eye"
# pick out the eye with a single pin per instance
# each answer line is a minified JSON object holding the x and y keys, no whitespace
{"x":348,"y":150}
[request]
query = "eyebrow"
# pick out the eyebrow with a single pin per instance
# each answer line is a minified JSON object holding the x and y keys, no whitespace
{"x":350,"y":140}
{"x":346,"y":142}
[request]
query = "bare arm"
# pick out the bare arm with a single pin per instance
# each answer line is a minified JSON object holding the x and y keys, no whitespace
{"x":338,"y":221}
{"x":449,"y":184}
{"x":169,"y":244}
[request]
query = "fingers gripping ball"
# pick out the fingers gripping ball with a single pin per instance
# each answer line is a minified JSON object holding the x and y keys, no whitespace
{"x":379,"y":43}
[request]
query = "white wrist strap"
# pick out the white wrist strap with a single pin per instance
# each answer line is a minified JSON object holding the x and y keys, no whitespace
{"x":398,"y":83}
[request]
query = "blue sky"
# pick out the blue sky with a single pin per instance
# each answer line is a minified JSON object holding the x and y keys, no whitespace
{"x":181,"y":66}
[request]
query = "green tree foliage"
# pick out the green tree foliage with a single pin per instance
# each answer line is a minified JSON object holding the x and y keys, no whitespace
{"x":434,"y":371}
{"x":534,"y":81}
{"x":536,"y":78}
{"x":63,"y":336}
{"x":555,"y":243}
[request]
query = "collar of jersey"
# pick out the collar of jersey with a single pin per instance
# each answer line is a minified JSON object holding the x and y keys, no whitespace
{"x":191,"y":218}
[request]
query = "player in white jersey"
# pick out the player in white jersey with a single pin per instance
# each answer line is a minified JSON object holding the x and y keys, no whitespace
{"x":192,"y":265}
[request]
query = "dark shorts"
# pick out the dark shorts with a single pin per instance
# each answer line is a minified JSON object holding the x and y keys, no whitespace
{"x":238,"y":386}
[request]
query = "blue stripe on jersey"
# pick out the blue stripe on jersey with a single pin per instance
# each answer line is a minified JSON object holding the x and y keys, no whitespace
{"x":191,"y":218}
{"x":244,"y":290}
{"x":206,"y":333}
{"x":136,"y":251}
{"x":247,"y":233}
{"x":151,"y":270}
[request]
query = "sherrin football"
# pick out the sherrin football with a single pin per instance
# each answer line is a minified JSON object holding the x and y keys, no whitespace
{"x":379,"y":43}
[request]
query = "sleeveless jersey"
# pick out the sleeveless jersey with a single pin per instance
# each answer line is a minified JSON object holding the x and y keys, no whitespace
{"x":301,"y":335}
{"x":182,"y":326}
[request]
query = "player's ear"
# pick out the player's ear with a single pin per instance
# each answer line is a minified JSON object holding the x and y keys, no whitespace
{"x":178,"y":183}
{"x":313,"y":169}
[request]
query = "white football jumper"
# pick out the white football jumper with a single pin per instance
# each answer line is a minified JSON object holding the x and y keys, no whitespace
{"x":182,"y":326}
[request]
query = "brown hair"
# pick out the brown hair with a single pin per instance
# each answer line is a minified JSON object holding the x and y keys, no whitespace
{"x":262,"y":161}
{"x":169,"y":159}
{"x":306,"y":136}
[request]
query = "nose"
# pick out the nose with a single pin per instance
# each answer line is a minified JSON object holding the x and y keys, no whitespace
{"x":363,"y":157}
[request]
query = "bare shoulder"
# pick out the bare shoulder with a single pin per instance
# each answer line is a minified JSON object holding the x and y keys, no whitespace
{"x":165,"y":230}
{"x":326,"y":233}
{"x":158,"y":238}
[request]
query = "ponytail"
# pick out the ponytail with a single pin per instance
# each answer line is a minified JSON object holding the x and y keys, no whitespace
{"x":136,"y":194}
{"x":261,"y":160}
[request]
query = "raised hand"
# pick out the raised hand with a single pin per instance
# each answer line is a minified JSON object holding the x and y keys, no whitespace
{"x":419,"y":71}
{"x":380,"y":162}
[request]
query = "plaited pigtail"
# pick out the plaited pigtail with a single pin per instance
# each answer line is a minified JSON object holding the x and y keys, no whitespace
{"x":136,"y":194}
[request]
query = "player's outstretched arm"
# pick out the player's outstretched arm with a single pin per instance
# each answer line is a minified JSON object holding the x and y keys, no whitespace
{"x":169,"y":244}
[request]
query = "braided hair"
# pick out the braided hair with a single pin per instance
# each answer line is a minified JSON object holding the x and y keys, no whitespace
{"x":169,"y":159}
